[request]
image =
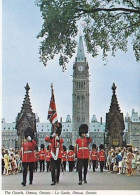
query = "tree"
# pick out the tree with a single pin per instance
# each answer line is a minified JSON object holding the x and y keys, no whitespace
{"x":108,"y":26}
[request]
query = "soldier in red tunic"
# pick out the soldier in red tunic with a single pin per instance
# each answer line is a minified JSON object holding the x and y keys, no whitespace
{"x":27,"y":154}
{"x":71,"y":158}
{"x":36,"y":159}
{"x":42,"y":154}
{"x":48,"y":156}
{"x":82,"y":149}
{"x":64,"y":158}
{"x":94,"y":156}
{"x":101,"y":156}
{"x":56,"y":149}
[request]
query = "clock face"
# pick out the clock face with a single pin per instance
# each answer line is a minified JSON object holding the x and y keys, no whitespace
{"x":80,"y":68}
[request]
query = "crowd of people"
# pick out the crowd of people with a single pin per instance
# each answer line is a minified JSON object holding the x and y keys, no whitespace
{"x":10,"y":161}
{"x":120,"y":160}
{"x":124,"y":160}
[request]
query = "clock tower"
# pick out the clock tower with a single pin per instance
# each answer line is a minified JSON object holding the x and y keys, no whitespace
{"x":80,"y":96}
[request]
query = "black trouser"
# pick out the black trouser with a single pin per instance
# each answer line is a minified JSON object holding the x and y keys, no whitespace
{"x":101,"y":166}
{"x":2,"y":165}
{"x":47,"y":165}
{"x":94,"y":163}
{"x":105,"y":165}
{"x":71,"y":166}
{"x":111,"y":167}
{"x":64,"y":165}
{"x":55,"y":169}
{"x":31,"y":168}
{"x":35,"y":166}
{"x":82,"y":163}
{"x":42,"y":162}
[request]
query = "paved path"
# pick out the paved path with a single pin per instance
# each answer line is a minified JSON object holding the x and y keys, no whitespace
{"x":69,"y":181}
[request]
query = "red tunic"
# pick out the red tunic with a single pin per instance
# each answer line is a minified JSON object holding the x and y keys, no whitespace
{"x":83,"y":150}
{"x":94,"y":155}
{"x":55,"y":144}
{"x":71,"y":155}
{"x":101,"y":155}
{"x":64,"y":155}
{"x":42,"y":154}
{"x":27,"y":151}
{"x":48,"y":156}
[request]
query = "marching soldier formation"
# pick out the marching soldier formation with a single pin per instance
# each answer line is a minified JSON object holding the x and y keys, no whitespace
{"x":56,"y":154}
{"x":79,"y":157}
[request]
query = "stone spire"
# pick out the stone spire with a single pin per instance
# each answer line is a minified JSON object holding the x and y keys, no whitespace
{"x":114,"y":122}
{"x":80,"y":52}
{"x":114,"y":107}
{"x":26,"y":106}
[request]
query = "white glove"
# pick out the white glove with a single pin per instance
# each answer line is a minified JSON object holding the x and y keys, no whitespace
{"x":53,"y":135}
{"x":29,"y":138}
{"x":87,"y":135}
{"x":57,"y":138}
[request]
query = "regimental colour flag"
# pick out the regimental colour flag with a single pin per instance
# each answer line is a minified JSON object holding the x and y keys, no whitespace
{"x":52,"y":114}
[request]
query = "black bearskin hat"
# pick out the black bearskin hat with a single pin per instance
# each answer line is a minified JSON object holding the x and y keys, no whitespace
{"x":101,"y":146}
{"x":42,"y":146}
{"x":93,"y":146}
{"x":59,"y":129}
{"x":29,"y":132}
{"x":83,"y":129}
{"x":64,"y":148}
{"x":48,"y":147}
{"x":36,"y":148}
{"x":71,"y":147}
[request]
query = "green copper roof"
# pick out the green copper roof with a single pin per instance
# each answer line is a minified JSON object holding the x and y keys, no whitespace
{"x":80,"y":52}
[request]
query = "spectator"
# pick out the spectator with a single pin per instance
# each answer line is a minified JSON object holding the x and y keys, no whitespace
{"x":129,"y":162}
{"x":2,"y":160}
{"x":119,"y":160}
{"x":6,"y":162}
{"x":134,"y":163}
{"x":124,"y":157}
{"x":138,"y":162}
{"x":109,"y":159}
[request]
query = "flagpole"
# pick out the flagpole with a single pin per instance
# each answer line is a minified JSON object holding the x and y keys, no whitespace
{"x":52,"y":114}
{"x":52,"y":123}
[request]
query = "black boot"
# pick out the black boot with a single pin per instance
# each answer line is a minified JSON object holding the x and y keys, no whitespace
{"x":57,"y":181}
{"x":85,"y":181}
{"x":80,"y":183}
{"x":23,"y":183}
{"x":53,"y":183}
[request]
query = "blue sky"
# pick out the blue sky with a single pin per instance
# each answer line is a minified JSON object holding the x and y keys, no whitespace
{"x":21,"y":24}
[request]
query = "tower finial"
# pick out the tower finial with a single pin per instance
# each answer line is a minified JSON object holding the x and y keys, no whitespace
{"x":52,"y":85}
{"x":27,"y":88}
{"x":114,"y":87}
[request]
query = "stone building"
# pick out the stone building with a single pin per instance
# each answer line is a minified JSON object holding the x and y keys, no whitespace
{"x":132,"y":129}
{"x":97,"y":131}
{"x":80,"y":95}
{"x":114,"y":122}
{"x":9,"y":135}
